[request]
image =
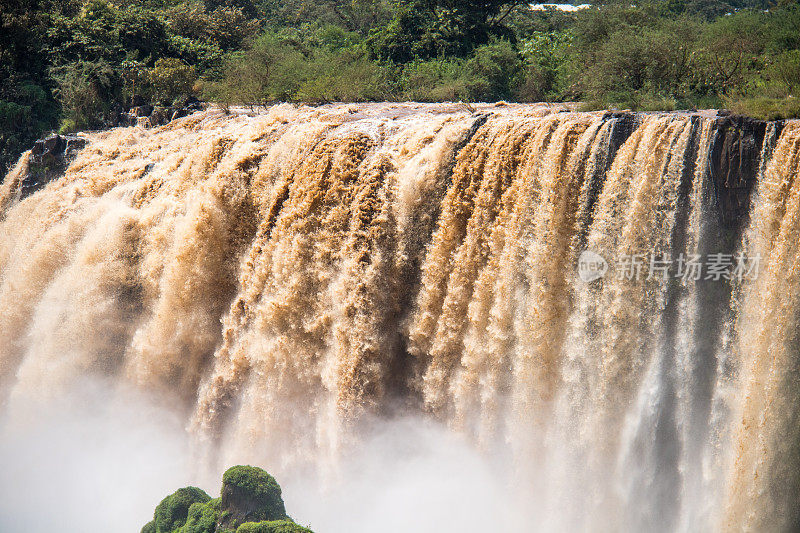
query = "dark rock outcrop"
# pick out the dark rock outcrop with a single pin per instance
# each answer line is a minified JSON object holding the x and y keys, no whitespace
{"x":735,"y":159}
{"x":51,"y":155}
{"x":141,"y":111}
{"x":151,"y":116}
{"x":49,"y":159}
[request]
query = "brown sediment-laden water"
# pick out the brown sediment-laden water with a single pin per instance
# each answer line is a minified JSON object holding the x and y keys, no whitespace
{"x":608,"y":301}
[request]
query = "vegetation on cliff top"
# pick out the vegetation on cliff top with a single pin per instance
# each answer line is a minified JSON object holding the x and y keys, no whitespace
{"x":250,"y":502}
{"x":76,"y":64}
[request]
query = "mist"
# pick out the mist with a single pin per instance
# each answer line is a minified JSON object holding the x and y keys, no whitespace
{"x":409,"y":474}
{"x":95,"y":460}
{"x":100,"y":459}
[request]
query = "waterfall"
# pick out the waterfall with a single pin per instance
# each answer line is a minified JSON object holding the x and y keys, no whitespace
{"x":285,"y":278}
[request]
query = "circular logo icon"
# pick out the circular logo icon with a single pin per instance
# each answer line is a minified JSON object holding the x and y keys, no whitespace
{"x":591,"y":266}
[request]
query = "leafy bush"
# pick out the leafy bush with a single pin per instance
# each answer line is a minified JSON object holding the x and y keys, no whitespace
{"x":276,"y":69}
{"x":135,"y":81}
{"x":270,"y":70}
{"x":435,"y":80}
{"x":227,"y":27}
{"x":493,"y":71}
{"x":785,"y":71}
{"x":423,"y":29}
{"x":730,"y":54}
{"x":202,"y":517}
{"x":546,"y":56}
{"x":84,"y":90}
{"x":343,"y":77}
{"x":172,"y":79}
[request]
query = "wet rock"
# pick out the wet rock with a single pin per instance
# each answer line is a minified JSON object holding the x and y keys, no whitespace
{"x":180,"y":112}
{"x":73,"y":146}
{"x":160,"y":116}
{"x":735,"y":159}
{"x":142,"y":110}
{"x":148,"y":116}
{"x":190,"y":103}
{"x":137,"y":100}
{"x":49,"y":159}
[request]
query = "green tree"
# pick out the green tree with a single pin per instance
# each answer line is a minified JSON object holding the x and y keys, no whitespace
{"x":84,"y":90}
{"x":172,"y":79}
{"x":494,"y":71}
{"x":785,"y":70}
{"x":423,"y":29}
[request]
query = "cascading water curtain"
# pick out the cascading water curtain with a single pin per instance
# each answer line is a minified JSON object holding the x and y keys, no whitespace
{"x":284,"y":279}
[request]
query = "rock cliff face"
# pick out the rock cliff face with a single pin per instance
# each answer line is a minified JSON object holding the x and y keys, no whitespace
{"x":736,"y":157}
{"x":49,"y":159}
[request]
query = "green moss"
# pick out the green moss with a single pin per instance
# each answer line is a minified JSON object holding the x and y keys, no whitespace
{"x":202,"y":517}
{"x":250,"y":502}
{"x":252,"y":479}
{"x":257,"y":489}
{"x":173,"y":510}
{"x":272,"y":526}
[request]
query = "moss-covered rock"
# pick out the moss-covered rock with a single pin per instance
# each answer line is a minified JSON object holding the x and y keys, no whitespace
{"x":251,"y":495}
{"x":172,"y":512}
{"x":202,"y":517}
{"x":272,"y":526}
{"x":250,"y":502}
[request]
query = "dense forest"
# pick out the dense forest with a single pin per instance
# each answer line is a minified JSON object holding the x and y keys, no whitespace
{"x":68,"y":65}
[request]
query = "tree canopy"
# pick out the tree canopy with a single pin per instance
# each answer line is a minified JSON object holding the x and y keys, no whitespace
{"x":75,"y":64}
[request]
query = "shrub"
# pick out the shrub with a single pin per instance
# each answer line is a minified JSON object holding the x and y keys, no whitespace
{"x":172,"y":79}
{"x":227,"y":27}
{"x":84,"y":90}
{"x":269,"y":70}
{"x":546,"y":56}
{"x":765,"y":108}
{"x":493,"y":71}
{"x":785,"y":70}
{"x":135,"y":81}
{"x":344,"y":76}
{"x":730,"y":54}
{"x":434,"y":81}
